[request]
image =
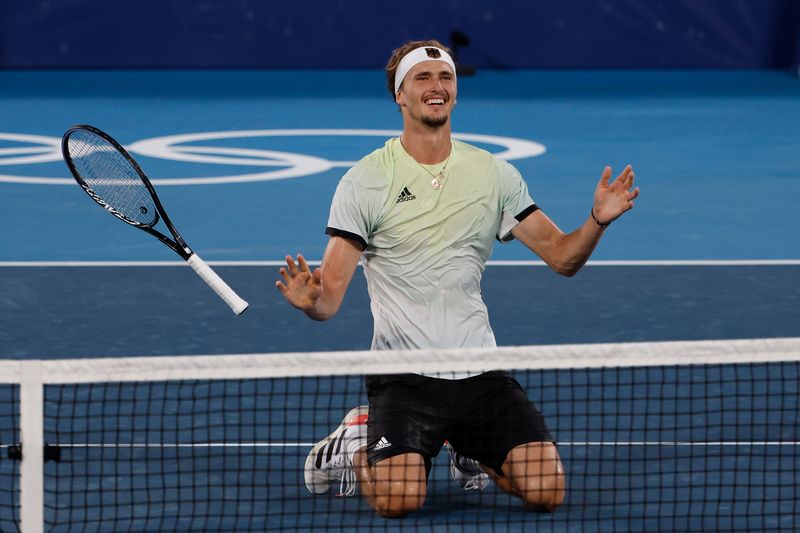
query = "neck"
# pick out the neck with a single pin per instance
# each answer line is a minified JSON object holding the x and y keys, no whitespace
{"x":426,"y":145}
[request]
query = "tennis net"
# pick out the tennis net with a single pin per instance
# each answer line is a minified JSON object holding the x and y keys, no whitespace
{"x":672,"y":436}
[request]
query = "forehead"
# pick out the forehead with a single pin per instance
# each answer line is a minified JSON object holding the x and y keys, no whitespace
{"x":430,"y":66}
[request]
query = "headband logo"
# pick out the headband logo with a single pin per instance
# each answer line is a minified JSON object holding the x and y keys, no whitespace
{"x":433,"y":52}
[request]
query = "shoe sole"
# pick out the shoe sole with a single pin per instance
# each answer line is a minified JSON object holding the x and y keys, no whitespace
{"x":314,"y":486}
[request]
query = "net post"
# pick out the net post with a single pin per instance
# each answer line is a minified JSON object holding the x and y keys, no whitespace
{"x":31,"y":427}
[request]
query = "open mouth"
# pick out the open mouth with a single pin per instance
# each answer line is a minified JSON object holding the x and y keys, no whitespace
{"x":434,"y":101}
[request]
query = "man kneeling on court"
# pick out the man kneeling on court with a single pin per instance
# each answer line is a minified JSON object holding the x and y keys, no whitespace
{"x":423,"y":211}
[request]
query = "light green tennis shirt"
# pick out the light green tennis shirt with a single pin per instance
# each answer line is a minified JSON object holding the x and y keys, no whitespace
{"x":425,"y":248}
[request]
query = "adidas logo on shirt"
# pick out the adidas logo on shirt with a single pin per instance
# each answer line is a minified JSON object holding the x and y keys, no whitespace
{"x":405,"y":196}
{"x":383,"y":443}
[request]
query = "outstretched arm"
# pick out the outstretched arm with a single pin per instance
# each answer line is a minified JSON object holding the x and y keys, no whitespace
{"x":319,"y":294}
{"x":567,"y":253}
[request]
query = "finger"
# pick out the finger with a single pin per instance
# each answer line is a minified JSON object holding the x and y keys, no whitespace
{"x":303,"y":264}
{"x":284,"y":275}
{"x":634,"y":194}
{"x":281,"y":287}
{"x":627,"y":174}
{"x":623,"y":176}
{"x":292,"y":267}
{"x":318,"y":275}
{"x":605,"y":176}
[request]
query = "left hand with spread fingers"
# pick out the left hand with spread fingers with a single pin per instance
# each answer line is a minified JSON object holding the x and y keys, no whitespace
{"x":613,"y":199}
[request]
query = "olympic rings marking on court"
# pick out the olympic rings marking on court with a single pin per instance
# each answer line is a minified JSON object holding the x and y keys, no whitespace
{"x":178,"y":148}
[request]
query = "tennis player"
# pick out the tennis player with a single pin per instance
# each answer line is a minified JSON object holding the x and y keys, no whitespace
{"x":423,"y":212}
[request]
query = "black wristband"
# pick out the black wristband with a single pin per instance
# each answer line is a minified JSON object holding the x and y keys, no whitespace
{"x":602,"y":226}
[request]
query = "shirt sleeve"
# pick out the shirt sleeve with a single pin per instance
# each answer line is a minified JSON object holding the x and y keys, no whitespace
{"x":516,"y":203}
{"x":356,"y":205}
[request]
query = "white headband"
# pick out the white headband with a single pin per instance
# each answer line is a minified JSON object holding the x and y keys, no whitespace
{"x":416,"y":56}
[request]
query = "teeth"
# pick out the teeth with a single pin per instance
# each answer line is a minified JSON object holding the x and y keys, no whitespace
{"x":435,"y":101}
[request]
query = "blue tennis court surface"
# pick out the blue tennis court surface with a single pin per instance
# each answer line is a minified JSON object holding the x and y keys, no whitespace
{"x":246,"y":164}
{"x":715,"y":154}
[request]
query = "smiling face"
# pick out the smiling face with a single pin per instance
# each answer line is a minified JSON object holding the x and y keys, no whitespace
{"x":428,"y":94}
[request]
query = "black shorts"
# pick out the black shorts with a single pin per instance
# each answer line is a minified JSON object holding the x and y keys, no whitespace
{"x":482,"y":417}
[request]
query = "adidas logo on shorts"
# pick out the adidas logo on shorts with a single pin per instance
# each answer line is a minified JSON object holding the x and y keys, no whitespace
{"x":383,"y":443}
{"x":405,"y":196}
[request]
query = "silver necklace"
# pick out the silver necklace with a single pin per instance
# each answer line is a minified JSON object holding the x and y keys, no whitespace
{"x":438,"y":178}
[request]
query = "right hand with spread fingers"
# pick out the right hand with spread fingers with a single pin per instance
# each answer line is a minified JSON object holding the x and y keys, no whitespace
{"x":300,"y":286}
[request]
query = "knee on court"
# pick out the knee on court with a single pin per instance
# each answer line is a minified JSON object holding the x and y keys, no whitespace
{"x":543,"y":494}
{"x":538,"y":475}
{"x":400,"y":485}
{"x":398,"y":498}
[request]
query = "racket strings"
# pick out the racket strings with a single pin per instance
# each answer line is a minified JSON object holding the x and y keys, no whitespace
{"x":114,"y":182}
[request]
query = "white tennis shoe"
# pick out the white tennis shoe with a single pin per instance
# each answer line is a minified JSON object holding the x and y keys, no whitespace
{"x":331,"y":458}
{"x":467,"y":472}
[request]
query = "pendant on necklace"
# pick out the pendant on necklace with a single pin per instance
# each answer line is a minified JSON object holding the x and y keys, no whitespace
{"x":436,"y":183}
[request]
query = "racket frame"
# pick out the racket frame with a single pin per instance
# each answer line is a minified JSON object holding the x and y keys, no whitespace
{"x":178,"y":245}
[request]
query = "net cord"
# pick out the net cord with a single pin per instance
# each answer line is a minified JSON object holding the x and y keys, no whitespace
{"x":444,"y":361}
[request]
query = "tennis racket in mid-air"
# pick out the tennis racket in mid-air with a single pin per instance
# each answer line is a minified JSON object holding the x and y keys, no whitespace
{"x":110,"y":176}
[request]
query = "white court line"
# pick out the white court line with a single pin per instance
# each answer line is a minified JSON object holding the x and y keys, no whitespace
{"x":536,"y":263}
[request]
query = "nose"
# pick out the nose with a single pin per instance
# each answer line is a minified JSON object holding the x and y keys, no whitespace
{"x":437,"y":87}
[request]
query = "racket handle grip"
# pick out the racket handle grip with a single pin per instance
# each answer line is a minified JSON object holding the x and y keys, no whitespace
{"x":215,"y":282}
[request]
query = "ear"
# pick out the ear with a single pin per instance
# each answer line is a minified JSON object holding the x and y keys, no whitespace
{"x":400,"y":98}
